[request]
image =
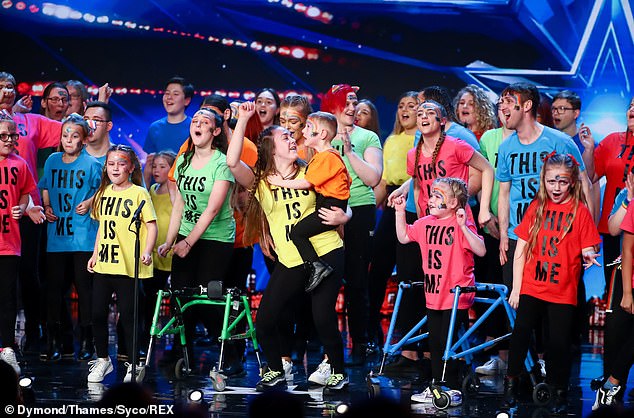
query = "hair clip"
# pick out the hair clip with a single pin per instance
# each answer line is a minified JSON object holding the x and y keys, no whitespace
{"x":549,"y":156}
{"x":574,"y":160}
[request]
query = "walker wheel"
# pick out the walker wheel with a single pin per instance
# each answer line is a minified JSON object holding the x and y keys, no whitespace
{"x":218,"y":382}
{"x":470,"y":384}
{"x":542,"y":394}
{"x":441,"y":399}
{"x":179,"y":369}
{"x":374,"y":387}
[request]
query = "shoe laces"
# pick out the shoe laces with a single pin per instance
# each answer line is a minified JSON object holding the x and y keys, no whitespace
{"x":98,"y":364}
{"x":324,"y":369}
{"x":611,"y":393}
{"x":334,"y":379}
{"x":8,"y":355}
{"x":270,"y":375}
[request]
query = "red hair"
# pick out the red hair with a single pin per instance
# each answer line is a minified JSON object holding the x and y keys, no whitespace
{"x":334,"y":100}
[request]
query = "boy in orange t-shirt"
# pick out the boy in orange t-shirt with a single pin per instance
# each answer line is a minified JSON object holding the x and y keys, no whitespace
{"x":327,"y":175}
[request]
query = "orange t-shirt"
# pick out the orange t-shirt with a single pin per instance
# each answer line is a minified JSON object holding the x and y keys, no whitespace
{"x":328,"y":174}
{"x":249,"y":155}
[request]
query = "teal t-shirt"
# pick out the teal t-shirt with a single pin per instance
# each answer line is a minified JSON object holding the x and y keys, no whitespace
{"x":195,"y":186}
{"x":361,"y":139}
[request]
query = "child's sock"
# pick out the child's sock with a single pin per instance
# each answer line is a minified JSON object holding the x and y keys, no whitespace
{"x":608,"y":385}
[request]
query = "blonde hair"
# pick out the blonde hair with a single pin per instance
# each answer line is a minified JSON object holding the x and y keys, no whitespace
{"x":458,"y":188}
{"x":326,"y":121}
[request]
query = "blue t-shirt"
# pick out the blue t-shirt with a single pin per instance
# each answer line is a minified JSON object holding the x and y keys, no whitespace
{"x":457,"y":131}
{"x":521,"y":165}
{"x":68,"y":185}
{"x":164,"y":136}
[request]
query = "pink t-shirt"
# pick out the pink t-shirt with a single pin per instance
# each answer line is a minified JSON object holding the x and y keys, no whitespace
{"x":36,"y":132}
{"x":453,"y":161}
{"x":16,"y":180}
{"x":447,"y":260}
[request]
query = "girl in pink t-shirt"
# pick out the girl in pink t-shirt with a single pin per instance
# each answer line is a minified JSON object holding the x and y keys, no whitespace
{"x":448,"y":241}
{"x":556,"y":236}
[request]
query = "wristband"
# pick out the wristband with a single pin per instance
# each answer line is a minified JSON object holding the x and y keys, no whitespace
{"x":185,"y":241}
{"x":625,"y":204}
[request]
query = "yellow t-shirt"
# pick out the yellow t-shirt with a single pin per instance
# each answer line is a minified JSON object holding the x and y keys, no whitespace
{"x":115,"y":253}
{"x":163,"y":207}
{"x":283,"y":208}
{"x":395,"y":158}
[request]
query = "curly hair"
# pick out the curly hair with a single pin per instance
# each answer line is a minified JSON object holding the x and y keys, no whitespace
{"x":485,"y":111}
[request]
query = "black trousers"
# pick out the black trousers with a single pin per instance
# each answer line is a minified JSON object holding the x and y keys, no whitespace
{"x":30,"y":286}
{"x":61,"y":269}
{"x":312,"y":225}
{"x":560,"y":317}
{"x":206,"y":261}
{"x":384,"y":249}
{"x":358,"y":241}
{"x":104,"y":286}
{"x":9,"y":266}
{"x":438,"y":321}
{"x":287,"y":285}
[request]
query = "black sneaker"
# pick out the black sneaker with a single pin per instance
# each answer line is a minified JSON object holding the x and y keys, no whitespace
{"x":271,"y":379}
{"x":319,"y":271}
{"x":403,"y":366}
{"x":336,"y":383}
{"x":606,"y":397}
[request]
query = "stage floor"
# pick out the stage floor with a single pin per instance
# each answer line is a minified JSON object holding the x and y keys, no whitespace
{"x":64,"y":383}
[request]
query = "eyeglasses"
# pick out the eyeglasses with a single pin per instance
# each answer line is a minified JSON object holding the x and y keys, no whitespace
{"x":56,"y":100}
{"x":561,"y":109}
{"x":7,"y":137}
{"x":96,"y":120}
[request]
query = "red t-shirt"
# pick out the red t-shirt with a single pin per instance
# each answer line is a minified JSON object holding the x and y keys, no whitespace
{"x":627,"y":225}
{"x":36,"y":132}
{"x":16,"y":180}
{"x":447,"y":260}
{"x":552,"y":273}
{"x":613,"y":158}
{"x":328,"y":174}
{"x":453,"y":161}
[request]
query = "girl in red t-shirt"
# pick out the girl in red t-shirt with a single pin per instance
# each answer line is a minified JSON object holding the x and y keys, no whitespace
{"x":555,"y":237}
{"x":448,"y":241}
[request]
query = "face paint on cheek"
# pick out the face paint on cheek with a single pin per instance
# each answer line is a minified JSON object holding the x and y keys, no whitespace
{"x":443,"y":202}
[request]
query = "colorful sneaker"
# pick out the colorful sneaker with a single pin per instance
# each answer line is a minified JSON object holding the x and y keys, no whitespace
{"x":542,"y":366}
{"x":423,"y":397}
{"x":336,"y":382}
{"x":606,"y":397}
{"x":321,"y":375}
{"x":8,"y":356}
{"x":271,"y":379}
{"x":99,"y":369}
{"x":492,"y":367}
{"x":139,"y":371}
{"x":288,"y":370}
{"x":455,"y":396}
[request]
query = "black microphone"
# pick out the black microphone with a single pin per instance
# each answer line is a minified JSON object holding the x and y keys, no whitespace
{"x":137,"y":213}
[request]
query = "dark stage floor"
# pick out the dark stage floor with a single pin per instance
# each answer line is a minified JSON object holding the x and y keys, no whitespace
{"x":64,"y":383}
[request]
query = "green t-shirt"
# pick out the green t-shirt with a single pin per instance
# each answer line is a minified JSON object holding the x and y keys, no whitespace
{"x":489,"y":145}
{"x":195,"y":186}
{"x":361,"y":139}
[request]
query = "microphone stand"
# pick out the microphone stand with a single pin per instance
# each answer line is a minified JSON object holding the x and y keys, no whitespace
{"x":135,"y":321}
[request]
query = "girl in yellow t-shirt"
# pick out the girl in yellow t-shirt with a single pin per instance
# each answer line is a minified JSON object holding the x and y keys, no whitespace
{"x":119,"y":198}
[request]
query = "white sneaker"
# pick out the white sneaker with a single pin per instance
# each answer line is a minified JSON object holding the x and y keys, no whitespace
{"x":492,"y":367}
{"x":426,"y":396}
{"x":8,"y":356}
{"x":423,"y":397}
{"x":321,"y":375}
{"x":542,"y":366}
{"x":140,"y":373}
{"x":99,"y":369}
{"x":288,"y":370}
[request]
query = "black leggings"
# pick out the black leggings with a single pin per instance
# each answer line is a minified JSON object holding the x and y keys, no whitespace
{"x":30,"y":285}
{"x":358,"y":240}
{"x":9,"y":265}
{"x":313,"y":225}
{"x":530,"y":315}
{"x":59,"y":281}
{"x":207,"y":260}
{"x":438,"y":321}
{"x":104,"y":286}
{"x":285,"y":286}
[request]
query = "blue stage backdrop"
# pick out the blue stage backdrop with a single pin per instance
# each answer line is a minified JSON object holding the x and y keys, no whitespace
{"x":384,"y":46}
